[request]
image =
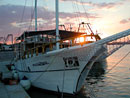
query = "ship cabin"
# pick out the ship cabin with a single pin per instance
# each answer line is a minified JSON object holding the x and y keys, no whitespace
{"x":44,"y":41}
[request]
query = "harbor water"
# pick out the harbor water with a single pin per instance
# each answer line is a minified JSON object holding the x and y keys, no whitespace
{"x":105,"y":79}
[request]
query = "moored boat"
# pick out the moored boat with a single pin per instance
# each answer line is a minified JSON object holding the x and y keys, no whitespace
{"x":59,"y":60}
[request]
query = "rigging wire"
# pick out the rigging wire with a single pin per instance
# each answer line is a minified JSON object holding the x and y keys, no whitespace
{"x":45,"y":7}
{"x":74,"y":9}
{"x":22,"y":17}
{"x":50,"y":64}
{"x":32,"y":15}
{"x":118,"y":62}
{"x":18,"y":33}
{"x":86,"y":14}
{"x":76,"y":15}
{"x":85,"y":11}
{"x":77,"y":10}
{"x":79,"y":15}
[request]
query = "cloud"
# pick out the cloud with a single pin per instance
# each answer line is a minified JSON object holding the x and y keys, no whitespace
{"x":107,"y":5}
{"x":102,"y":5}
{"x":125,"y":0}
{"x":124,"y":21}
{"x":11,"y":18}
{"x":79,"y":15}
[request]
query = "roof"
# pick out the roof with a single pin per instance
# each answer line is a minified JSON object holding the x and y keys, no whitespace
{"x":63,"y":34}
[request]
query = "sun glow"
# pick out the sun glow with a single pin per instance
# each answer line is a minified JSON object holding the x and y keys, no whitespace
{"x":66,"y":41}
{"x":80,"y":40}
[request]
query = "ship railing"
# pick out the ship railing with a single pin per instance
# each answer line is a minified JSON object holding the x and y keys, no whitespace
{"x":39,"y":40}
{"x":51,"y":45}
{"x":45,"y":47}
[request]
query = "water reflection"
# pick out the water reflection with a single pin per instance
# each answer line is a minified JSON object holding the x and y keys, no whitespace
{"x":96,"y":76}
{"x":116,"y":83}
{"x":98,"y":69}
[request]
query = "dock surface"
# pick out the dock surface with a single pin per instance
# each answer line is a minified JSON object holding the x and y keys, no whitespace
{"x":10,"y":91}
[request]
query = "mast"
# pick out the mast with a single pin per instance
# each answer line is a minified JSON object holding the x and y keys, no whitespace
{"x":35,"y":15}
{"x":57,"y":24}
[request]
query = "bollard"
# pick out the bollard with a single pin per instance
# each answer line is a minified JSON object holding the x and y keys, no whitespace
{"x":51,"y":46}
{"x":24,"y":55}
{"x":1,"y":74}
{"x":28,"y":54}
{"x":73,"y":42}
{"x":43,"y":48}
{"x":36,"y":51}
{"x":61,"y":46}
{"x":31,"y":52}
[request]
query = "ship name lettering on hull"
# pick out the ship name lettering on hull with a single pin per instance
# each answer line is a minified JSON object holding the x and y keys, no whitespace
{"x":71,"y":61}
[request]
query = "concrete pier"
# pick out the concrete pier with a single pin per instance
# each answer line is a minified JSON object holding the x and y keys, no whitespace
{"x":10,"y":91}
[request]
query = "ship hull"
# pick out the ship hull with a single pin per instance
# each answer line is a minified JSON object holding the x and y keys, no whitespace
{"x":61,"y":71}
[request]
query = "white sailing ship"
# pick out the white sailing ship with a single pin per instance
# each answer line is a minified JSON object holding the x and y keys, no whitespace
{"x":62,"y":64}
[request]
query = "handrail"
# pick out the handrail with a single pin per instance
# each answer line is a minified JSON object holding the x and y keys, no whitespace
{"x":51,"y":44}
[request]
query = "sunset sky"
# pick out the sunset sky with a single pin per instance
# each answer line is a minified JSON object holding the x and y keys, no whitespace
{"x":106,"y":16}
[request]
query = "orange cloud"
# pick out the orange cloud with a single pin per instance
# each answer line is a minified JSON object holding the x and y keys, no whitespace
{"x":124,"y":21}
